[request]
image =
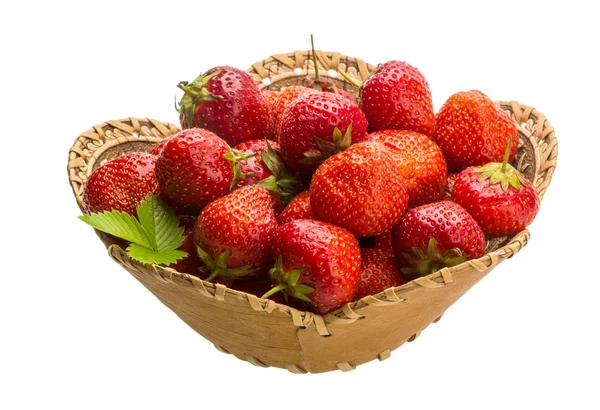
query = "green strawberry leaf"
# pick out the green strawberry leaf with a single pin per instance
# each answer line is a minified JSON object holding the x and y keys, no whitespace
{"x":119,"y":224}
{"x":160,"y":223}
{"x":147,"y":255}
{"x":154,"y":236}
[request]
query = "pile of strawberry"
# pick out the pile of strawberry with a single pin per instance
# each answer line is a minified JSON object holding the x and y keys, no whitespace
{"x":311,"y":198}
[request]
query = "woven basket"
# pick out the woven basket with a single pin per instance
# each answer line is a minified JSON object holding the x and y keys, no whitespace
{"x":265,"y":333}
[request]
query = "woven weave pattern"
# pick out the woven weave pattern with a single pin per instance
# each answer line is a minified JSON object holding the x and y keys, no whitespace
{"x":265,"y":333}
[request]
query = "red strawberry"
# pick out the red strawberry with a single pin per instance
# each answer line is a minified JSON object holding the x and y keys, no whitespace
{"x":228,"y":102}
{"x":472,"y":130}
{"x":121,"y":184}
{"x":359,"y":189}
{"x":271,"y":97}
{"x":298,"y":208}
{"x":286,"y":97}
{"x":159,"y":146}
{"x":500,"y":198}
{"x":265,"y":168}
{"x":193,"y":170}
{"x":316,"y":262}
{"x":378,"y":272}
{"x":397,"y":96}
{"x":234,"y":233}
{"x":317,"y":126}
{"x":432,"y":236}
{"x":421,"y":164}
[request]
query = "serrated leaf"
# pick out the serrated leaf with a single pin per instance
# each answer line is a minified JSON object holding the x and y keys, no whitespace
{"x":119,"y":224}
{"x":147,"y":255}
{"x":160,"y":223}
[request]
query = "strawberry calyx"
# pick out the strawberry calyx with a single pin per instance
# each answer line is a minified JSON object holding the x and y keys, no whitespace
{"x":281,"y":182}
{"x":501,"y":173}
{"x":327,"y":149}
{"x":288,"y":283}
{"x":218,"y":266}
{"x":195,"y":94}
{"x":425,"y":264}
{"x":234,"y":157}
{"x":496,"y":173}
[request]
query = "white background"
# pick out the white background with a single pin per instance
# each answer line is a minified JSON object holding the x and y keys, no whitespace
{"x":78,"y":332}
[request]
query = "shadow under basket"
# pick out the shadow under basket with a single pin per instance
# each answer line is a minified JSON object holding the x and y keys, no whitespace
{"x":265,"y":333}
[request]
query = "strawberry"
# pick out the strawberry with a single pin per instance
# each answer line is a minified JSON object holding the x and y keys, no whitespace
{"x":285,"y":98}
{"x":121,"y":184}
{"x":432,"y":236}
{"x":472,"y":130}
{"x":317,"y":262}
{"x":159,"y":146}
{"x":298,"y":208}
{"x":500,"y":198}
{"x":397,"y":96}
{"x":316,"y":126}
{"x":266,"y":169}
{"x":359,"y":189}
{"x":378,"y":272}
{"x":194,"y":168}
{"x":228,"y":102}
{"x":271,"y":96}
{"x":420,"y":162}
{"x":234,"y":233}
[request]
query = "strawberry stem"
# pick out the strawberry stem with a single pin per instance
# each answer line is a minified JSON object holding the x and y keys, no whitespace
{"x":314,"y":57}
{"x":506,"y":154}
{"x":272,"y":291}
{"x":351,"y":80}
